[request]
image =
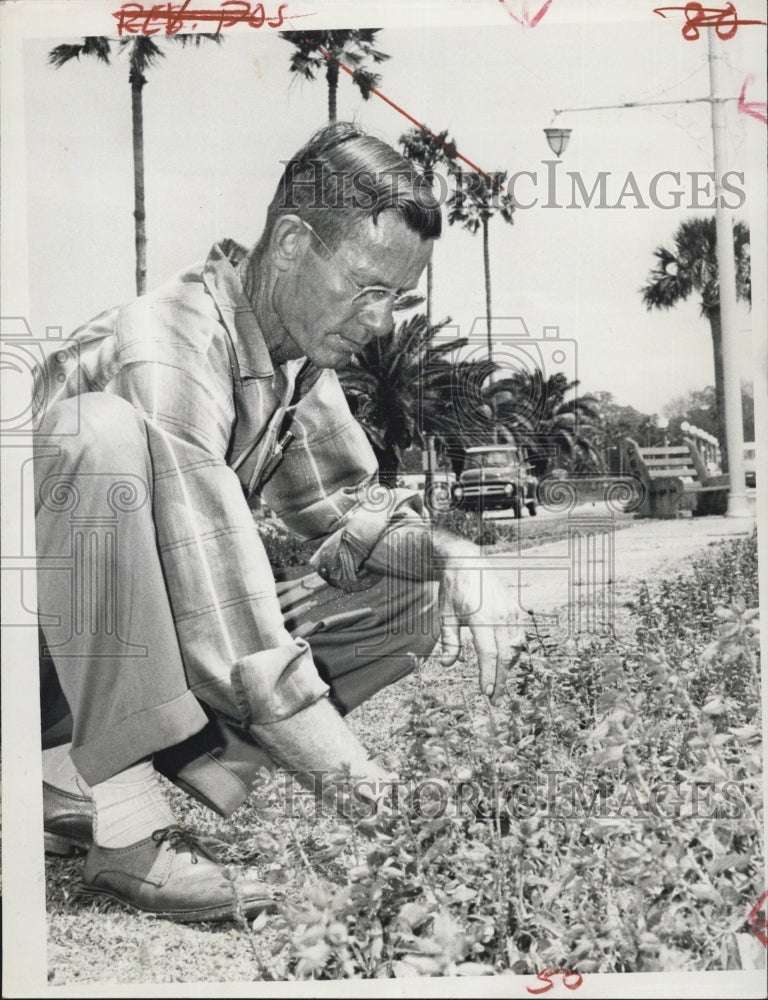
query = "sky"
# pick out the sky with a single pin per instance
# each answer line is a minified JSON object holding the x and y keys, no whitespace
{"x":220,"y":118}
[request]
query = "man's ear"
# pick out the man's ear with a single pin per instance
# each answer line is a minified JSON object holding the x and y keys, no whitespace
{"x":289,"y":241}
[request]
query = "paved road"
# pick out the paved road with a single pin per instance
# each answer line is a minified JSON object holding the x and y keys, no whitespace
{"x":543,"y":514}
{"x":590,"y":507}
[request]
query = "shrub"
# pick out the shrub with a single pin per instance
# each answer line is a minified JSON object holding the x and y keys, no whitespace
{"x":606,"y":818}
{"x":283,"y":548}
{"x":473,"y":527}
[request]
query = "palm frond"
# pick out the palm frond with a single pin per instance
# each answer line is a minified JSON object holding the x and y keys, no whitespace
{"x":143,"y":53}
{"x":196,"y":38}
{"x":692,"y":267}
{"x":97,"y":46}
{"x":365,"y":81}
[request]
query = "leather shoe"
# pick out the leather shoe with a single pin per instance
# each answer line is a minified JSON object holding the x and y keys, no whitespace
{"x":67,"y":821}
{"x":170,"y":874}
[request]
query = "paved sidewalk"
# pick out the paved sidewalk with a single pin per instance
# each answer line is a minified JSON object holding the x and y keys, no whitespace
{"x":586,"y":575}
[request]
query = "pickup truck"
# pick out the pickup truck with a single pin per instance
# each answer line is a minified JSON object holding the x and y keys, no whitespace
{"x":496,"y":476}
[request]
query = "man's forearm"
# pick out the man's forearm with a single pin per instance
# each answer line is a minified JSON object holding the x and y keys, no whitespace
{"x":413,"y":550}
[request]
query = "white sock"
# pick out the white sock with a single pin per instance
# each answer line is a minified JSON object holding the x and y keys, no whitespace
{"x":59,"y":771}
{"x":130,"y":806}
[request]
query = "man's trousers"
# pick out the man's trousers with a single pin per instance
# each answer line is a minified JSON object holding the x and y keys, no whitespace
{"x":113,"y":677}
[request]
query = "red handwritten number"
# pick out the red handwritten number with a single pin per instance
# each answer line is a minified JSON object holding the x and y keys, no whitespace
{"x":545,"y":976}
{"x":757,"y":923}
{"x":724,"y":20}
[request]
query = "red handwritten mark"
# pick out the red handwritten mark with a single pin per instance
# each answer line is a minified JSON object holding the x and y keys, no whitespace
{"x":759,"y":924}
{"x":530,"y":22}
{"x":724,"y":20}
{"x":135,"y":19}
{"x":755,"y":109}
{"x":545,"y":976}
{"x":404,"y":113}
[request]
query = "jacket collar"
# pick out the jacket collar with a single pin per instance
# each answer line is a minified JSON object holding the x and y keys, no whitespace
{"x":221,"y":279}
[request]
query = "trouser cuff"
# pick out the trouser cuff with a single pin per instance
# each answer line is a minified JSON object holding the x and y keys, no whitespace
{"x":137,"y":736}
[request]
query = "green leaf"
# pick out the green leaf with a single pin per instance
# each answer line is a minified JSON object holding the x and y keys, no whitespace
{"x":735,"y":862}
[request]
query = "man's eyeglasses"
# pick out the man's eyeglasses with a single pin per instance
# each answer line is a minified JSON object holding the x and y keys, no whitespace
{"x":370,"y":294}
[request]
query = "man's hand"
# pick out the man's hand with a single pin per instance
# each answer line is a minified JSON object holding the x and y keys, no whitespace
{"x":468,"y":596}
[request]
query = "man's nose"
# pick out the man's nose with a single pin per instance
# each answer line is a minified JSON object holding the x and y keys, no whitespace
{"x":378,"y":318}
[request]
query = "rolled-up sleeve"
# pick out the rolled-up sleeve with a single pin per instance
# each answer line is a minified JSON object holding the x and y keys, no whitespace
{"x":341,"y":558}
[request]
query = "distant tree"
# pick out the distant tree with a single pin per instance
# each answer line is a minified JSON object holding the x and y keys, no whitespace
{"x":475,"y":200}
{"x":691,"y":266}
{"x":351,"y":47}
{"x":558,"y":428}
{"x":143,"y":53}
{"x":428,"y":154}
{"x":618,"y":421}
{"x":402,"y":387}
{"x":698,"y":407}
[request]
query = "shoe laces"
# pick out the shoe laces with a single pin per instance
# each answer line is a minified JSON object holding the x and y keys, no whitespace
{"x":176,"y":837}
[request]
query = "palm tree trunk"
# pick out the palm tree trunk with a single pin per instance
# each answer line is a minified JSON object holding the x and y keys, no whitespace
{"x":713,"y":315}
{"x":139,"y":214}
{"x":487,"y":266}
{"x":389,"y":465}
{"x":332,"y":76}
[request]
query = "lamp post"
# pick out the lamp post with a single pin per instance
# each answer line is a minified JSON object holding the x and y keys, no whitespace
{"x":738,"y":505}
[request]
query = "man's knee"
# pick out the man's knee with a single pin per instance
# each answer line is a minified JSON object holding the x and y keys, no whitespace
{"x":100,"y":430}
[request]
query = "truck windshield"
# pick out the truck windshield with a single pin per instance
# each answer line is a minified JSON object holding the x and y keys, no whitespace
{"x":491,"y":460}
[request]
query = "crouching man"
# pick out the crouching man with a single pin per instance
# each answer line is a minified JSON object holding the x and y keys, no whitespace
{"x":166,"y":643}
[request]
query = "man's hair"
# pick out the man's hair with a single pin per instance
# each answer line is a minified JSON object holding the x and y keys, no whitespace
{"x":341,"y":176}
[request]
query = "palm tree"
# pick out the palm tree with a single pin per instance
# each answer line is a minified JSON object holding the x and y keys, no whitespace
{"x":474,"y":202}
{"x":691,"y":266}
{"x":555,"y":430}
{"x":331,"y":49}
{"x":143,"y":52}
{"x":402,"y":388}
{"x":428,"y":151}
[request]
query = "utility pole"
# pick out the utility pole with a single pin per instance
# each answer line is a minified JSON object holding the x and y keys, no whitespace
{"x":738,"y":506}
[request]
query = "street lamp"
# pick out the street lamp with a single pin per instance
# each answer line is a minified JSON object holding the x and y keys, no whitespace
{"x":558,"y":138}
{"x":738,"y":505}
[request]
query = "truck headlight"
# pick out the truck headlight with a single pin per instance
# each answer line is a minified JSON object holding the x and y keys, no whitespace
{"x":509,"y":489}
{"x":458,"y":492}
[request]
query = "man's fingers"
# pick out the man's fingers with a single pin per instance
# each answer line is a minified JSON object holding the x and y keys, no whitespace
{"x":509,"y":644}
{"x":487,"y":657}
{"x":504,"y":655}
{"x":450,"y":642}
